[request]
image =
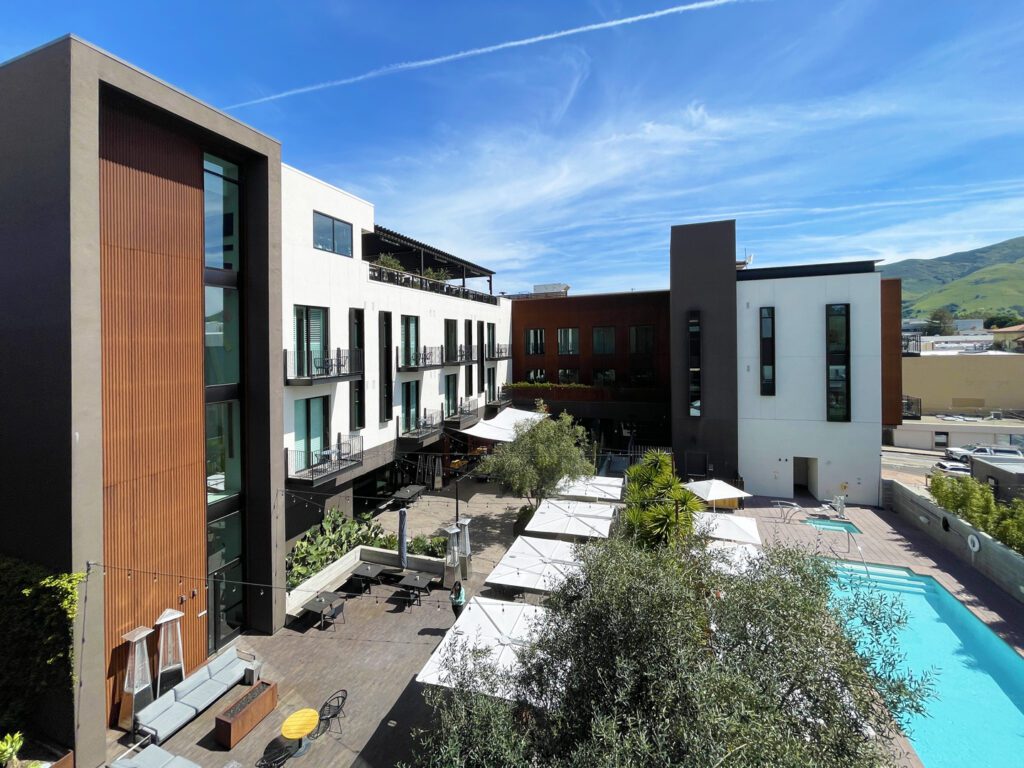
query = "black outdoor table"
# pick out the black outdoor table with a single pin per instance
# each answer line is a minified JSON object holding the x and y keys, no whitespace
{"x":417,"y":581}
{"x":321,"y":603}
{"x":367,"y":572}
{"x":409,"y":493}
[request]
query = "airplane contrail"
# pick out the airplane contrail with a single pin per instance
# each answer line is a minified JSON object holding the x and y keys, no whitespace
{"x":404,"y":66}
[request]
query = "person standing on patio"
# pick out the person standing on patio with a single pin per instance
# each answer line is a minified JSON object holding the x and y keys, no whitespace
{"x":458,"y":598}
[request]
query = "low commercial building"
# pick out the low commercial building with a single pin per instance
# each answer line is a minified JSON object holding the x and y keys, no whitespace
{"x":1004,"y":475}
{"x":966,"y":384}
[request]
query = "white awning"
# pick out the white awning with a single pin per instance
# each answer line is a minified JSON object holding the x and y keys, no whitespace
{"x":727,"y":527}
{"x":502,"y":428}
{"x":534,"y":565}
{"x":736,"y":558}
{"x":715,"y":490}
{"x":592,"y":488}
{"x":571,"y":519}
{"x":497,"y":626}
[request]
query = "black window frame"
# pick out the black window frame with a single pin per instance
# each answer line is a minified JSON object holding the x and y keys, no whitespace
{"x":610,"y":329}
{"x":386,"y":393}
{"x":335,"y":221}
{"x":768,"y":383}
{"x":571,"y":376}
{"x":635,"y":339}
{"x":694,"y":380}
{"x":837,"y":366}
{"x":570,"y":351}
{"x":534,"y":341}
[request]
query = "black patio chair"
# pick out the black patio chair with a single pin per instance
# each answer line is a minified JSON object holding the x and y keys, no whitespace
{"x":277,"y":753}
{"x":330,"y":713}
{"x":333,"y":614}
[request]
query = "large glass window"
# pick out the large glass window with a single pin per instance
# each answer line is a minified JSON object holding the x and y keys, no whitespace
{"x":604,"y":340}
{"x":451,"y":394}
{"x":330,"y":234}
{"x":492,"y":333}
{"x":312,"y":430}
{"x":410,"y":405}
{"x":221,"y":345}
{"x":837,"y":325}
{"x":309,"y":329}
{"x":492,"y":385}
{"x":410,"y":339}
{"x":223,"y":541}
{"x":221,"y":213}
{"x":641,"y":339}
{"x":535,"y":341}
{"x":223,"y":451}
{"x":693,"y":333}
{"x":767,"y":332}
{"x":568,"y":341}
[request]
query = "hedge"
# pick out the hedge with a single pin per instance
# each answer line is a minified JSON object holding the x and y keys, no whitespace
{"x":37,"y":614}
{"x":973,"y":501}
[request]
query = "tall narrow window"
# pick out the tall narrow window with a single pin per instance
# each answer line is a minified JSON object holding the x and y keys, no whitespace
{"x":410,"y":339}
{"x":693,"y":362}
{"x":604,"y":340}
{"x":492,"y":333}
{"x":330,"y":234}
{"x":451,"y":394}
{"x":767,"y":329}
{"x":837,"y":330}
{"x":223,"y":451}
{"x":221,"y":333}
{"x":312,"y":431}
{"x":492,"y":385}
{"x":451,"y":341}
{"x":480,"y":367}
{"x":385,"y":394}
{"x":221,"y":209}
{"x":535,"y":341}
{"x":641,"y":339}
{"x":568,"y":341}
{"x":410,"y":405}
{"x":309,"y":329}
{"x":469,"y":341}
{"x":357,"y":406}
{"x":469,"y":381}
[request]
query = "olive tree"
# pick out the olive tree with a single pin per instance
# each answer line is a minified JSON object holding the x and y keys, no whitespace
{"x":543,"y":453}
{"x":648,"y":658}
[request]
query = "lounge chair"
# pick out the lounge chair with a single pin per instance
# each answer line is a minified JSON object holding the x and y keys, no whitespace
{"x":152,"y":757}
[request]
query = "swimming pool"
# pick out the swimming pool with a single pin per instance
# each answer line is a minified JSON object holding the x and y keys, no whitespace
{"x":843,"y":526}
{"x":977,"y":714}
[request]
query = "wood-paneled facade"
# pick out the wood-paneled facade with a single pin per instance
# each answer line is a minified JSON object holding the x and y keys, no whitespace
{"x":151,"y":293}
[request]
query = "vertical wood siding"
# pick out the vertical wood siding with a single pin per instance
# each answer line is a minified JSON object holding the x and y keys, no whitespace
{"x":154,"y":498}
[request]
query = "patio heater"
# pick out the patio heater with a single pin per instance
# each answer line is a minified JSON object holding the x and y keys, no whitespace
{"x":465,"y":552}
{"x":451,"y":557}
{"x":138,"y":682}
{"x":170,"y":660}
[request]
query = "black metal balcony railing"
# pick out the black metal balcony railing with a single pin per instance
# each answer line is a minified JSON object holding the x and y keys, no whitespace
{"x":322,"y":364}
{"x":422,"y":357}
{"x":911,"y":344}
{"x":499,"y":351}
{"x":462,"y":353}
{"x":503,"y":397}
{"x":469,"y":406}
{"x":322,"y":464}
{"x":911,"y":408}
{"x":407,"y":280}
{"x":429,"y":423}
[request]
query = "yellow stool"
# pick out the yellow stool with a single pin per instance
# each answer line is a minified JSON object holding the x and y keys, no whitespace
{"x":298,"y":725}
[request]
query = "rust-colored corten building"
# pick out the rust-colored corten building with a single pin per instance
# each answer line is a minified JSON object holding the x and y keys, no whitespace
{"x":141,"y":232}
{"x":616,"y":341}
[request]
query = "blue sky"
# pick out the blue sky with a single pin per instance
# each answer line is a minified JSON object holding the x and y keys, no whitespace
{"x":881,"y":129}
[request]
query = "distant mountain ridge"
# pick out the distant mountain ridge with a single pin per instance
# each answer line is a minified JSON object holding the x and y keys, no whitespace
{"x":989,"y":278}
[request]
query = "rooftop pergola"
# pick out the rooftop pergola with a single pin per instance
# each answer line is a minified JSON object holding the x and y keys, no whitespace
{"x":418,"y":257}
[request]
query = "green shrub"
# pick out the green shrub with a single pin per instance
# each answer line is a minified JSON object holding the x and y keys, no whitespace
{"x":388,"y":261}
{"x":965,"y":497}
{"x":321,"y":546}
{"x":441,"y":274}
{"x":545,"y":385}
{"x":10,"y":745}
{"x":37,"y":615}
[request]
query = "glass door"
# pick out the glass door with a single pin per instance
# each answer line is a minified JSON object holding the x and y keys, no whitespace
{"x":226,"y":606}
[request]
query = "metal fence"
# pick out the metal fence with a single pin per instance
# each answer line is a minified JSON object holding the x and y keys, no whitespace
{"x":408,"y":280}
{"x":322,"y":364}
{"x":315,"y":464}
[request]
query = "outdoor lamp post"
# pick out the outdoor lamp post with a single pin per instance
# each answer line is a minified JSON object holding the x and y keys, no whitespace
{"x":451,"y":557}
{"x":138,"y":682}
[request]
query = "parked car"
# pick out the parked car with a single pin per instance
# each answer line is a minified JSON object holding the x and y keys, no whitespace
{"x":952,"y":468}
{"x":964,"y":452}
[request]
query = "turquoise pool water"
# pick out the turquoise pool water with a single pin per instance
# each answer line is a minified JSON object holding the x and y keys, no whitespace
{"x":843,"y":526}
{"x":977,"y":715}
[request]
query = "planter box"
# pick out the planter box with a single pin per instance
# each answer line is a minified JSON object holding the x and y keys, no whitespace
{"x":235,"y":722}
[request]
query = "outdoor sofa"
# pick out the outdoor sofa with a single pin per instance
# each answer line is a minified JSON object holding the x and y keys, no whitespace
{"x":153,"y":757}
{"x":191,"y":696}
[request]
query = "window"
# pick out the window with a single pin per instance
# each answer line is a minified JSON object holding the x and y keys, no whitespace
{"x":451,"y":394}
{"x":604,"y":340}
{"x":410,"y":340}
{"x":767,"y":332}
{"x":312,"y":431}
{"x":221,"y":333}
{"x":568,"y":375}
{"x":330,"y":234}
{"x":481,"y":382}
{"x":221,"y":213}
{"x":568,"y":341}
{"x":641,"y":339}
{"x":492,"y":385}
{"x":451,"y":341}
{"x":355,"y":328}
{"x":837,"y":326}
{"x":641,"y":377}
{"x":385,"y":395}
{"x":536,"y":374}
{"x":693,"y":333}
{"x":491,"y":334}
{"x":357,"y":406}
{"x":941,"y":440}
{"x":604,"y":377}
{"x":223,"y":451}
{"x":469,"y":381}
{"x":410,"y":405}
{"x":309,"y":332}
{"x":223,"y":541}
{"x":535,"y":341}
{"x":469,"y":340}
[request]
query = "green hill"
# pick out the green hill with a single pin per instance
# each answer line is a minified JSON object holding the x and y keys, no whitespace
{"x":988,"y":278}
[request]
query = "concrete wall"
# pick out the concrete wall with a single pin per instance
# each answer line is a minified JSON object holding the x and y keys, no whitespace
{"x":948,"y":382}
{"x":793,"y":422}
{"x":921,"y":434}
{"x":1000,"y":564}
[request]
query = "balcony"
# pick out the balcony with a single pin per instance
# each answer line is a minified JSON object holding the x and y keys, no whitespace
{"x":316,"y":467}
{"x":421,"y":432}
{"x":465,"y":416}
{"x":419,"y":359}
{"x":305,"y":367}
{"x":408,"y":280}
{"x":911,"y":345}
{"x":911,"y":408}
{"x":460,"y":354}
{"x":499,"y":351}
{"x":498,"y":403}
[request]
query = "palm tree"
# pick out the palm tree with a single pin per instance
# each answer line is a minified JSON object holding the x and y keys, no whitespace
{"x":658,"y":508}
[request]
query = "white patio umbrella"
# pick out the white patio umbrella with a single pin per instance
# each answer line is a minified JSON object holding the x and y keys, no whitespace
{"x":727,"y":527}
{"x":534,"y":565}
{"x":592,"y":488}
{"x":715,"y":490}
{"x":570,"y":519}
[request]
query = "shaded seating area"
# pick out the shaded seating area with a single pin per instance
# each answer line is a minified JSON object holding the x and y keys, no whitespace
{"x":152,"y":756}
{"x":571,"y":520}
{"x":533,"y":565}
